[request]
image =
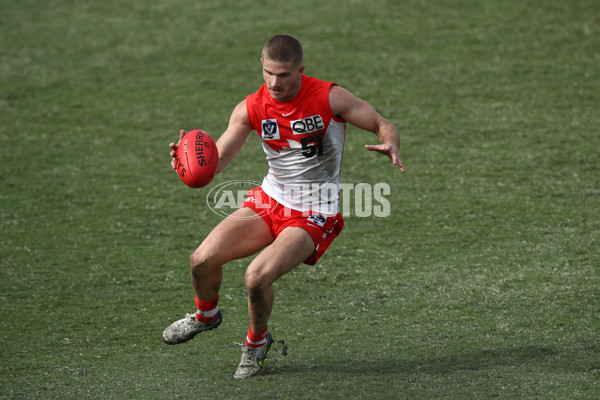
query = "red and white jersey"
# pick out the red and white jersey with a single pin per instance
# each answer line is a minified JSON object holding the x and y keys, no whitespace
{"x":304,"y":143}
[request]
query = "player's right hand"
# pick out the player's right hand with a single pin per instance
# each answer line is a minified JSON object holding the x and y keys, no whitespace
{"x":173,"y":147}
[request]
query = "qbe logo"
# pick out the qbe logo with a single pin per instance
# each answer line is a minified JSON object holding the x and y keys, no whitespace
{"x":307,"y":125}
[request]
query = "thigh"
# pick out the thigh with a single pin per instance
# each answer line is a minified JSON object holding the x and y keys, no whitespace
{"x":291,"y":247}
{"x":240,"y":235}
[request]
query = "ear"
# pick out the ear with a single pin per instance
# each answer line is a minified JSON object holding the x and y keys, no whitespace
{"x":301,"y":69}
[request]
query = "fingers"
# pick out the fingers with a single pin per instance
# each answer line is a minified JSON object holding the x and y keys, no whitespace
{"x":399,"y":163}
{"x":388,"y":151}
{"x":173,"y":147}
{"x":173,"y":154}
{"x":381,"y":148}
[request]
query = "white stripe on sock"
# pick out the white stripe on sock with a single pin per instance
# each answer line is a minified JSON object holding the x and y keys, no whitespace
{"x":257,"y":344}
{"x":208,"y":314}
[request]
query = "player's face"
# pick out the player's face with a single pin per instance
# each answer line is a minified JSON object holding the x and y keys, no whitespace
{"x":283,"y":79}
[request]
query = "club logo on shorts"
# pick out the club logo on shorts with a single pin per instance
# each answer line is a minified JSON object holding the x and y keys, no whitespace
{"x":318,"y":219}
{"x":270,"y":129}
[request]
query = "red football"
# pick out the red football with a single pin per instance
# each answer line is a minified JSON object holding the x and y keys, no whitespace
{"x":197,"y":158}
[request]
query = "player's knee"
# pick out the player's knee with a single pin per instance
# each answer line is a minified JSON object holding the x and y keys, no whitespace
{"x":255,"y":280}
{"x":253,"y":283}
{"x":199,"y":263}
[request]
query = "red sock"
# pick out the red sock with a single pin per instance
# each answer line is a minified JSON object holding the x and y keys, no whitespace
{"x":207,"y":310}
{"x":256,"y":339}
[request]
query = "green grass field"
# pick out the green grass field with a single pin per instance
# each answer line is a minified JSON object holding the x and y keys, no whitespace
{"x":482,"y":283}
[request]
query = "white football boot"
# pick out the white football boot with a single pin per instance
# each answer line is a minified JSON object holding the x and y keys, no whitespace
{"x":188,"y":327}
{"x":253,"y":359}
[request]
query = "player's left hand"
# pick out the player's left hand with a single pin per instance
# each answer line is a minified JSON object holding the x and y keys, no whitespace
{"x":389,"y":150}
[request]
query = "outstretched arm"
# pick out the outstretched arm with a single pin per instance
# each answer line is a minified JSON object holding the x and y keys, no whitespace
{"x":362,"y":115}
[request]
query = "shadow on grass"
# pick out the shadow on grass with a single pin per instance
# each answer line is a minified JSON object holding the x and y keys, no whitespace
{"x":544,"y":358}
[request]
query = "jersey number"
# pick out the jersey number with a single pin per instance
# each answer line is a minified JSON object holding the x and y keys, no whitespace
{"x":310,"y":147}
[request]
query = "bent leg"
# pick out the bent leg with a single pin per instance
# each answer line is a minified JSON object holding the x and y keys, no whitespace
{"x":290,"y":248}
{"x":241,"y":234}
